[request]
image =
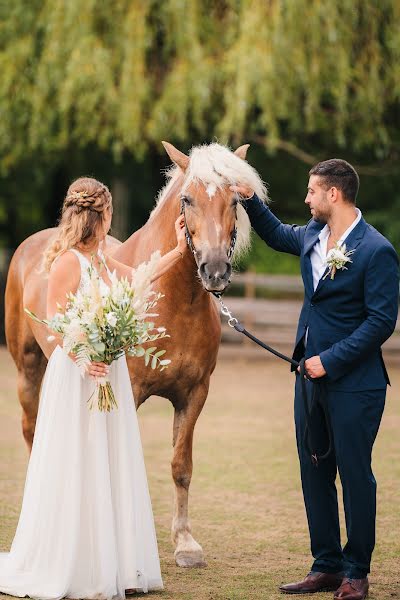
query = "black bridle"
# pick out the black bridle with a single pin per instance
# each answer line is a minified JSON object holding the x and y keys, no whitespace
{"x":191,"y":245}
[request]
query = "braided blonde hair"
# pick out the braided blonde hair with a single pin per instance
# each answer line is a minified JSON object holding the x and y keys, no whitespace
{"x":81,"y":216}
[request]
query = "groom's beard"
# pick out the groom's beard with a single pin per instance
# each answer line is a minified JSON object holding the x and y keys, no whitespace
{"x":322,"y":214}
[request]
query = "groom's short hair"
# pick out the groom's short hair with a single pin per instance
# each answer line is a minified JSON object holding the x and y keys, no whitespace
{"x":338,"y":173}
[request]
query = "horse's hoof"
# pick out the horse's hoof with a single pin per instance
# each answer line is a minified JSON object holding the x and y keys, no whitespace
{"x":190,"y":559}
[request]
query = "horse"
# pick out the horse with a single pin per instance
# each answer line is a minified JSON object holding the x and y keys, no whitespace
{"x":215,"y":220}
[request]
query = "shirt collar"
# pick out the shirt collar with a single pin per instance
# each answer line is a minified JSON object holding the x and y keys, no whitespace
{"x":325,"y":231}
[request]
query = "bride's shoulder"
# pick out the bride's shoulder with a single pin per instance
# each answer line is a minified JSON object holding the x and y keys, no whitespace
{"x":64,"y":278}
{"x":65,"y":264}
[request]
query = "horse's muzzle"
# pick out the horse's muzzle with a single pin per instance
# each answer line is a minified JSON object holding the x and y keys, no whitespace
{"x":215,"y":275}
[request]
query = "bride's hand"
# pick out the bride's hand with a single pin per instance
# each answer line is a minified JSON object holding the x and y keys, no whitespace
{"x":180,"y":233}
{"x":97,"y":369}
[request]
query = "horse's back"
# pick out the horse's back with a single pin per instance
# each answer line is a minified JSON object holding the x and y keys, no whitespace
{"x":27,"y":287}
{"x":22,"y":276}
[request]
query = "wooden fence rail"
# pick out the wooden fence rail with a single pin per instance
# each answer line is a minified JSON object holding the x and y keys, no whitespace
{"x":273,"y":319}
{"x":268,"y":305}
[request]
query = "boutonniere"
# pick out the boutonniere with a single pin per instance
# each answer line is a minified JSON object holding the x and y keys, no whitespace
{"x":337,"y":259}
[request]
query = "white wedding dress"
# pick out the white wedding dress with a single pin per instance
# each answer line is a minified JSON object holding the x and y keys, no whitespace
{"x":86,"y":526}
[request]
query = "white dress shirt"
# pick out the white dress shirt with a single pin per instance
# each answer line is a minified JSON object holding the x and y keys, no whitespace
{"x":318,"y":253}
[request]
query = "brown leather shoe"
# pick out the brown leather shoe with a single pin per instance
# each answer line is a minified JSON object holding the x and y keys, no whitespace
{"x":352,"y":589}
{"x":314,"y":582}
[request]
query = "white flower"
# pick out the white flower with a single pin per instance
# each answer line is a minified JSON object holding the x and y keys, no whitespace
{"x":338,"y":254}
{"x":111,"y":319}
{"x":336,"y":259}
{"x":87,"y":317}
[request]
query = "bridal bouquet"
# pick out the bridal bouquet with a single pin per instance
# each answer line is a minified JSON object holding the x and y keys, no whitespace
{"x":103,"y":324}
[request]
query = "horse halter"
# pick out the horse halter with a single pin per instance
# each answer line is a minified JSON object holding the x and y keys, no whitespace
{"x":190,"y":241}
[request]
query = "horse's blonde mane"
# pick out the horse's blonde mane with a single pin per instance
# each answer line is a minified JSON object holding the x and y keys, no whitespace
{"x":216,"y":166}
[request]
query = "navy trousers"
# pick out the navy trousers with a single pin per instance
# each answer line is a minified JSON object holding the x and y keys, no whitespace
{"x":355,"y":419}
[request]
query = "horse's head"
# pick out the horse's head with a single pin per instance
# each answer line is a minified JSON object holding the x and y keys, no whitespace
{"x":217,"y":224}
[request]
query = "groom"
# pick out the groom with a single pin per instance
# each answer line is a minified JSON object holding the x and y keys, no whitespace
{"x":349,"y":311}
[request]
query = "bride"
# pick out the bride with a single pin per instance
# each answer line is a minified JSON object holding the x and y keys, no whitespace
{"x":86,"y":526}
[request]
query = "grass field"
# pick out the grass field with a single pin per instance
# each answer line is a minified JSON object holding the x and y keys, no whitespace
{"x":246,"y":503}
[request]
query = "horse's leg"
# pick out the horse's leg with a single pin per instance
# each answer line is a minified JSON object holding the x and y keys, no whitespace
{"x":26,"y":352}
{"x":31,"y":368}
{"x":188,"y":552}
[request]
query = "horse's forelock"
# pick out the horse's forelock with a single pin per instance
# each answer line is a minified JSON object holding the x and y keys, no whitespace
{"x":215,"y":166}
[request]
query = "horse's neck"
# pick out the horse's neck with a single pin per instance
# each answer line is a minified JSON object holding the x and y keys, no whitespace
{"x":158,"y":233}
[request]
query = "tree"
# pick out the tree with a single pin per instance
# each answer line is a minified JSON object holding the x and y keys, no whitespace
{"x":127,"y":73}
{"x":308,"y":77}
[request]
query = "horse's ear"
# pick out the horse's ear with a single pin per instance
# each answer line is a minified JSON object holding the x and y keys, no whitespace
{"x":178,"y":157}
{"x":242,"y":151}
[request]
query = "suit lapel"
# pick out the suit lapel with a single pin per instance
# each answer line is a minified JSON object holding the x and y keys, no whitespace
{"x":308,"y":274}
{"x":312,"y":241}
{"x":352,"y":241}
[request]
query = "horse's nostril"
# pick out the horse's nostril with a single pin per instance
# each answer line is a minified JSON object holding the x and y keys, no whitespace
{"x":207,"y":271}
{"x":214,"y":271}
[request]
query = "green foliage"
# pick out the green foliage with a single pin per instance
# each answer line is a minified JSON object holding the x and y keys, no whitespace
{"x":261,"y":259}
{"x":94,"y":87}
{"x":125,"y":74}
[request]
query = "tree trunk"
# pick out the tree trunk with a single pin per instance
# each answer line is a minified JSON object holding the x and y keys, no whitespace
{"x":120,"y":222}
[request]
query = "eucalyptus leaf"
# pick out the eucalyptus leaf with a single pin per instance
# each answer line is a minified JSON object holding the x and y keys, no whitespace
{"x":151,"y":350}
{"x":99,"y":347}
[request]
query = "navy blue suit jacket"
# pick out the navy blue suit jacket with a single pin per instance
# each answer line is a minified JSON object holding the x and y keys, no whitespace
{"x":348,"y":318}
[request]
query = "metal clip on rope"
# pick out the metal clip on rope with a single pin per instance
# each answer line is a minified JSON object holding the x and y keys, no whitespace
{"x":232,"y":321}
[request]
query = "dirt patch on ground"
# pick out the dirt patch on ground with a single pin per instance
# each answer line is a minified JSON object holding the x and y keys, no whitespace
{"x":246,"y":504}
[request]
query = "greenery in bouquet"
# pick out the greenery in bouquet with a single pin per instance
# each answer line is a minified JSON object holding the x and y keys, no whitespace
{"x":102,"y":323}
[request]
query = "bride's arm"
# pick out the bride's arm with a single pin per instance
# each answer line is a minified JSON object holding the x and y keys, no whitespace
{"x":64,"y":277}
{"x":166,"y":262}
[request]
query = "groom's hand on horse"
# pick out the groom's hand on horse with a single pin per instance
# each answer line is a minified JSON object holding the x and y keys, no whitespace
{"x":243,"y":190}
{"x":314,"y":367}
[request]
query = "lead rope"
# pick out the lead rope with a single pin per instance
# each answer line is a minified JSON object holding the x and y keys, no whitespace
{"x":316,"y":399}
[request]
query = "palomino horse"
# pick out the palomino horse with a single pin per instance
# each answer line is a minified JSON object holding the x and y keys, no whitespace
{"x":198,"y":183}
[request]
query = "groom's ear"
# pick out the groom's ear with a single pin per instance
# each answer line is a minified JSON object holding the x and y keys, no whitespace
{"x":178,"y":157}
{"x":334,"y":194}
